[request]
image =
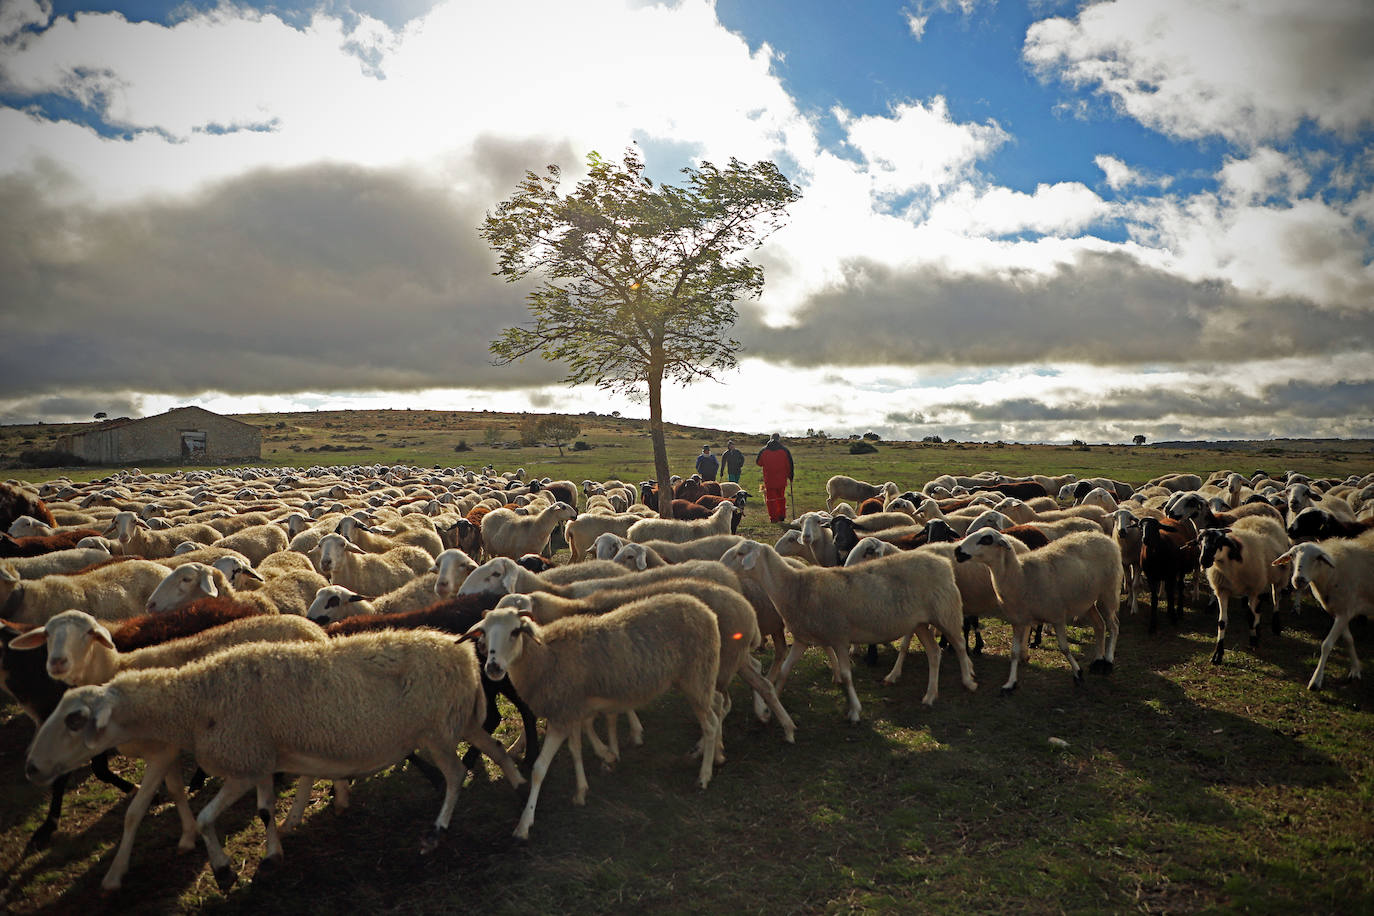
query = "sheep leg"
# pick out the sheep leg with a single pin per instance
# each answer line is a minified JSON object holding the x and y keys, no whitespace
{"x":493,"y":749}
{"x":932,"y":648}
{"x":1223,"y":598}
{"x":155,"y":768}
{"x":1253,"y":603}
{"x":847,"y":681}
{"x":1061,"y":634}
{"x":971,"y":623}
{"x":231,"y":791}
{"x":44,"y":833}
{"x":266,"y":804}
{"x":609,"y":756}
{"x":764,"y":692}
{"x":834,"y":658}
{"x":1276,"y":621}
{"x":636,"y":727}
{"x":579,"y":773}
{"x":176,"y":790}
{"x":1130,"y":588}
{"x":1338,"y":628}
{"x":1154,"y":602}
{"x":903,"y":647}
{"x":100,"y":768}
{"x":794,"y":655}
{"x":961,"y":652}
{"x":710,"y":727}
{"x":447,"y":760}
{"x":296,"y":815}
{"x":553,"y":740}
{"x":1106,"y":648}
{"x":1018,"y":643}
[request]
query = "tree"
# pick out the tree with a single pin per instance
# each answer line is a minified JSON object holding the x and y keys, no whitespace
{"x":638,"y":283}
{"x":528,"y":430}
{"x":1139,"y":439}
{"x":559,"y":430}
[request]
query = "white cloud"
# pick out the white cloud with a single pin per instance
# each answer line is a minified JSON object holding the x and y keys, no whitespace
{"x":1119,"y":174}
{"x":1264,"y":173}
{"x":917,"y":25}
{"x":1059,"y":209}
{"x":16,"y":14}
{"x":921,"y":147}
{"x":1247,"y":70}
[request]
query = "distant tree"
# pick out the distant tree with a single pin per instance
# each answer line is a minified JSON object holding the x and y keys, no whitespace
{"x":558,"y":429}
{"x":862,"y":447}
{"x":100,"y":415}
{"x":1139,"y":439}
{"x":639,"y":283}
{"x":528,"y":430}
{"x":871,"y":436}
{"x":492,"y":434}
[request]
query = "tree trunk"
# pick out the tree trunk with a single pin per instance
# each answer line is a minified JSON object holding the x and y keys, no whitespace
{"x":661,"y":470}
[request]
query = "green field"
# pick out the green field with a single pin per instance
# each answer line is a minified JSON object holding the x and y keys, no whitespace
{"x":1185,"y":787}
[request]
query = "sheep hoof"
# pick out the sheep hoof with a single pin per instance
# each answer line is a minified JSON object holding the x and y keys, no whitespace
{"x":225,"y":878}
{"x":1101,"y":666}
{"x":1254,"y":639}
{"x":1276,"y":624}
{"x":268,"y":867}
{"x":976,"y":650}
{"x":430,"y":841}
{"x":1314,"y":685}
{"x":39,"y":841}
{"x":1008,"y":691}
{"x":1078,"y":678}
{"x":1217,"y":656}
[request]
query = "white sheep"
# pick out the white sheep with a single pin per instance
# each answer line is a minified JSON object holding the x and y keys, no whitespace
{"x":841,"y":487}
{"x":109,"y":593}
{"x":1341,"y":574}
{"x":409,"y":531}
{"x":59,"y":561}
{"x":287,"y":580}
{"x":583,"y":531}
{"x":136,"y":538}
{"x":503,"y":576}
{"x":360,"y":703}
{"x":1238,"y":562}
{"x":579,"y":666}
{"x":345,"y":563}
{"x":679,"y":531}
{"x":606,"y":546}
{"x":886,"y":599}
{"x":451,"y":568}
{"x":669,"y":552}
{"x":81,"y":651}
{"x":505,"y":534}
{"x":256,"y":542}
{"x":1066,"y":579}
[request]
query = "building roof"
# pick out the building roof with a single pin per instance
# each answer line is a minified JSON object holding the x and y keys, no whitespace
{"x":175,"y":413}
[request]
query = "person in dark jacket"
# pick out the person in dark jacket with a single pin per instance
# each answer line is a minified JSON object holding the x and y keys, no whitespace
{"x":778,"y":469}
{"x":707,"y":464}
{"x":733,"y":460}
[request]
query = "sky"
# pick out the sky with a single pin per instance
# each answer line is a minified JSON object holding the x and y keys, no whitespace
{"x":1033,"y":222}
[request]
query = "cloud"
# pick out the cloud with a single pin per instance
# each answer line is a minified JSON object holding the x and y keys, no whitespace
{"x":74,"y":407}
{"x":1102,"y":308}
{"x":330,"y":276}
{"x":1060,"y":209}
{"x":917,"y":25}
{"x":1244,"y":70}
{"x":919,"y":148}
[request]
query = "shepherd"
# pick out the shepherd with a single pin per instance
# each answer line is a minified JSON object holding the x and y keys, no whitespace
{"x":778,"y":470}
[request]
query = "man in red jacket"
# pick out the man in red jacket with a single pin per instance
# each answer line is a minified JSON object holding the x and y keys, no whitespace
{"x":776,"y":462}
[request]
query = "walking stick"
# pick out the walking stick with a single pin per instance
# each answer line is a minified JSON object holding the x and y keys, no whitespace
{"x":792,"y":498}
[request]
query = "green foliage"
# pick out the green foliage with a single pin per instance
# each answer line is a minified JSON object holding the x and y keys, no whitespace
{"x":862,"y":448}
{"x":528,"y":430}
{"x":558,"y":429}
{"x":492,"y":434}
{"x":462,"y":446}
{"x":581,"y":445}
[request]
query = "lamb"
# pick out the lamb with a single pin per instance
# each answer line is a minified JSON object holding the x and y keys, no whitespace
{"x":138,"y":539}
{"x":362,"y":703}
{"x":1237,"y":561}
{"x":1168,"y":552}
{"x":841,"y":487}
{"x":721,"y":521}
{"x":735,"y":620}
{"x":505,"y":534}
{"x":886,"y":599}
{"x":1064,"y":580}
{"x":576,"y":667}
{"x":583,"y":531}
{"x":1341,"y":574}
{"x":344,"y":563}
{"x":107,"y":592}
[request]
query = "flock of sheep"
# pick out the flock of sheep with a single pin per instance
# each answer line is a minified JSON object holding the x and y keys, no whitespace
{"x":166,"y":615}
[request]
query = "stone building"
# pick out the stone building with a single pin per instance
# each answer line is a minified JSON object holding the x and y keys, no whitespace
{"x":184,"y":435}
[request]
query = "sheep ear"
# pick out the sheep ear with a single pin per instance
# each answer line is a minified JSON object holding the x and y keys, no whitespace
{"x":207,"y":583}
{"x":102,"y":636}
{"x":353,"y":598}
{"x":1285,"y":559}
{"x":96,"y":725}
{"x":511,"y":578}
{"x":472,"y":633}
{"x":354,"y":548}
{"x":641,"y":561}
{"x":748,"y":559}
{"x":30,"y":640}
{"x":435,"y":567}
{"x":1323,"y":558}
{"x":252,"y":573}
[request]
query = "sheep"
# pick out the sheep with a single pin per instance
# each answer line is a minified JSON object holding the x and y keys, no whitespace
{"x":1064,"y":580}
{"x":1237,"y":561}
{"x":1314,"y":524}
{"x":24,"y":675}
{"x":505,"y":534}
{"x":735,"y":620}
{"x":344,"y":563}
{"x":819,"y":540}
{"x":606,"y":546}
{"x":1341,"y":574}
{"x":582,"y":531}
{"x":334,"y":603}
{"x":107,"y":592}
{"x":286,"y":580}
{"x":668,"y":552}
{"x":721,"y":521}
{"x":1168,"y":552}
{"x":137,"y":538}
{"x":376,"y":539}
{"x":256,"y":542}
{"x":362,"y":703}
{"x":59,"y":561}
{"x":886,"y":599}
{"x":451,"y":569}
{"x":847,"y":488}
{"x":16,"y":501}
{"x":39,"y":544}
{"x":1127,"y":533}
{"x":502,"y":575}
{"x":578,"y":666}
{"x":1194,"y":506}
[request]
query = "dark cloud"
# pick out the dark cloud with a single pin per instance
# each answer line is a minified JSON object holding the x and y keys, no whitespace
{"x":327,"y":277}
{"x":70,"y":408}
{"x":1102,"y":309}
